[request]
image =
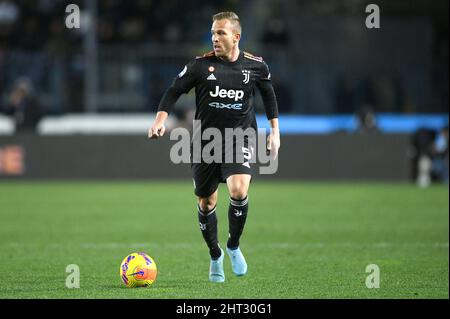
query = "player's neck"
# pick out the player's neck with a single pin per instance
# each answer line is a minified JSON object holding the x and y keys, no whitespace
{"x":233,"y":56}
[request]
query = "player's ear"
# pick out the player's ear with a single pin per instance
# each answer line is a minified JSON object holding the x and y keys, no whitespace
{"x":237,"y":37}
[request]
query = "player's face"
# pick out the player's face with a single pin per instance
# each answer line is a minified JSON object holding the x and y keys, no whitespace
{"x":224,"y":37}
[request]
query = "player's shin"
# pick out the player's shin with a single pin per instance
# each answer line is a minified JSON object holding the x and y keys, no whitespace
{"x":237,"y":215}
{"x":208,"y":226}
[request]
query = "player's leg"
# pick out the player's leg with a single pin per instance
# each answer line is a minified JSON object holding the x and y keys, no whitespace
{"x":208,"y":223}
{"x":238,"y":185}
{"x":206,"y":182}
{"x":237,"y":211}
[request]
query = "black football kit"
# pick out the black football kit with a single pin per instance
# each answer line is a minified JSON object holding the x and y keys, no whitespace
{"x":224,"y":99}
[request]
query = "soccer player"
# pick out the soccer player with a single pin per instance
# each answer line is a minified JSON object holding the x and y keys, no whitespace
{"x":225,"y":80}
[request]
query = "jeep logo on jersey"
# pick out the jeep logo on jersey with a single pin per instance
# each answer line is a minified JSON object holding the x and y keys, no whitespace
{"x":231,"y":94}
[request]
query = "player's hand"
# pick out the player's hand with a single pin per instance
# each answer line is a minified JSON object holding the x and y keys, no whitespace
{"x":157,"y":130}
{"x":273,"y":143}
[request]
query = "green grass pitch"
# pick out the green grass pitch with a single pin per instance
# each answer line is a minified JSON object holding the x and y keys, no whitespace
{"x":302,"y":240}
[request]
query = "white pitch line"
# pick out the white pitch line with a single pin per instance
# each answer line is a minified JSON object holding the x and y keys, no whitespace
{"x":258,"y":245}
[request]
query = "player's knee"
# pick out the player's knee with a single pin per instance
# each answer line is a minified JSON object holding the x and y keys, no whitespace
{"x":238,"y":192}
{"x":207,"y":204}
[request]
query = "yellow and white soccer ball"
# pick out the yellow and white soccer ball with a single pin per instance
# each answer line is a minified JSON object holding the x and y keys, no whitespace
{"x":138,"y":270}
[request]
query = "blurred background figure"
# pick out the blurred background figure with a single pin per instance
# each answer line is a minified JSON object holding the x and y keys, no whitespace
{"x":23,"y":106}
{"x":422,"y":144}
{"x":431,"y":159}
{"x":440,"y":156}
{"x":367,"y":121}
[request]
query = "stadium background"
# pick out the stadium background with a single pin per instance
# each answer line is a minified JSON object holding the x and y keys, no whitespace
{"x":363,"y":170}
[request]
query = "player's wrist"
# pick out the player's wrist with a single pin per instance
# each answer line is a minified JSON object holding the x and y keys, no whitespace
{"x":161,"y":117}
{"x":274,"y":131}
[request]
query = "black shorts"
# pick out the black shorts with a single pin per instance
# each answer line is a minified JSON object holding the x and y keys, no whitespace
{"x":208,"y":176}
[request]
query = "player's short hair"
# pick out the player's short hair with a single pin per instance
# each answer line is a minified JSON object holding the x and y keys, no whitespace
{"x":230,"y":16}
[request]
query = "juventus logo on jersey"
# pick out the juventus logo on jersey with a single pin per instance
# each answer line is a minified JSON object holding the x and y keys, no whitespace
{"x":246,"y":74}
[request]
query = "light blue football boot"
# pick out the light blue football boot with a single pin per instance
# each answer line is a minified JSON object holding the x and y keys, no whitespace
{"x":216,"y":273}
{"x":238,"y":263}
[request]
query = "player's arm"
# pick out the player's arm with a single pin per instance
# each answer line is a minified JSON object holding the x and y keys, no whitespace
{"x":265,"y":87}
{"x":183,"y":83}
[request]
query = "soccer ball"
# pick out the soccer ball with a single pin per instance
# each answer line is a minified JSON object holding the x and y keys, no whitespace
{"x":138,"y":270}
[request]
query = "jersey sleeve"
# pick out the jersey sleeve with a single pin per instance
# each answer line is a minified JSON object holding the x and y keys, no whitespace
{"x":182,"y":84}
{"x":264,"y":84}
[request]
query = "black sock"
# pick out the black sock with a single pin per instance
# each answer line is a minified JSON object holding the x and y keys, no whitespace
{"x":208,"y":226}
{"x":237,"y":215}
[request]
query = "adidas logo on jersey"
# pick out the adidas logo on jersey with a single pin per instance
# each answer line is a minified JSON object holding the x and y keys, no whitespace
{"x":211,"y":77}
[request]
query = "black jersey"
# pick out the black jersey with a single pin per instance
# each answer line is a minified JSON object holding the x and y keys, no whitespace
{"x":224,"y":90}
